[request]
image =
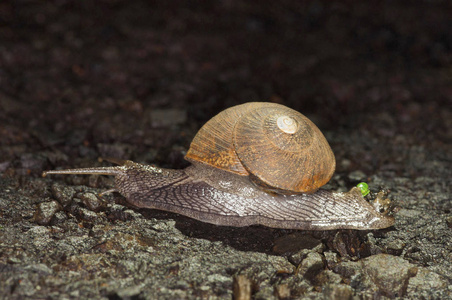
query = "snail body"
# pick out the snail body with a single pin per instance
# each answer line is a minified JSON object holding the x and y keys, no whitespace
{"x":231,"y":182}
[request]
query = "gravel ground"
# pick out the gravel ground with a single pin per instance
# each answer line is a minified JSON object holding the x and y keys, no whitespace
{"x":136,"y":80}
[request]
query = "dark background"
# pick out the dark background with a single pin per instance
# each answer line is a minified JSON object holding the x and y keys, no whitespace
{"x":77,"y":73}
{"x":136,"y":80}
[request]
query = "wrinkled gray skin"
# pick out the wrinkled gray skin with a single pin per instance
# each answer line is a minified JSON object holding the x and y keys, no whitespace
{"x":218,"y":197}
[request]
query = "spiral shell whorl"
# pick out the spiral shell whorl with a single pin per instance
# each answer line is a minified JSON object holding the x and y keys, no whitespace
{"x":287,"y":124}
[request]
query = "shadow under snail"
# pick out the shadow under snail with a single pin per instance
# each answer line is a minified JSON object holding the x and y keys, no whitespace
{"x":255,"y":163}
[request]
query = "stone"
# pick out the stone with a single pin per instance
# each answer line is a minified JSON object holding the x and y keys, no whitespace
{"x":389,"y":274}
{"x":45,"y":212}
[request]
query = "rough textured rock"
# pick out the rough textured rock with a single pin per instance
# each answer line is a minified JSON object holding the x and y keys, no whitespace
{"x":45,"y":212}
{"x":389,"y":274}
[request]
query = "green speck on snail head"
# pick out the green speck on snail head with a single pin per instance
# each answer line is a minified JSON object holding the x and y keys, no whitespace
{"x":364,"y":188}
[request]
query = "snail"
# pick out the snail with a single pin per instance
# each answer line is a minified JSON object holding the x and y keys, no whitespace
{"x":254,"y":163}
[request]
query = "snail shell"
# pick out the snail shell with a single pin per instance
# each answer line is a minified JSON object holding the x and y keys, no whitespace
{"x":278,"y":147}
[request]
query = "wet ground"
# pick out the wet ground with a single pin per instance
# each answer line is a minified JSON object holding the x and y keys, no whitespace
{"x":137,"y":79}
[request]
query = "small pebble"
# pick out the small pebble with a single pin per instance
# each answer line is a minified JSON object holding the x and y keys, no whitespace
{"x":332,"y":259}
{"x":395,"y":247}
{"x":449,"y":222}
{"x":45,"y":212}
{"x":282,"y":291}
{"x":311,"y":265}
{"x":389,"y":273}
{"x":91,"y":201}
{"x":63,"y":194}
{"x":242,"y":288}
{"x":83,"y":214}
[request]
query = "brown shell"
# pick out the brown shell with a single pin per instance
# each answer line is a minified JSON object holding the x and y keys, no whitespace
{"x":247,"y":140}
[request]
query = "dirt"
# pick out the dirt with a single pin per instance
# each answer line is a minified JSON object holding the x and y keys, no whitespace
{"x":135,"y":80}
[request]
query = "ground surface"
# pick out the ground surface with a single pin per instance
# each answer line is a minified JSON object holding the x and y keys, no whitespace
{"x":136,"y":80}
